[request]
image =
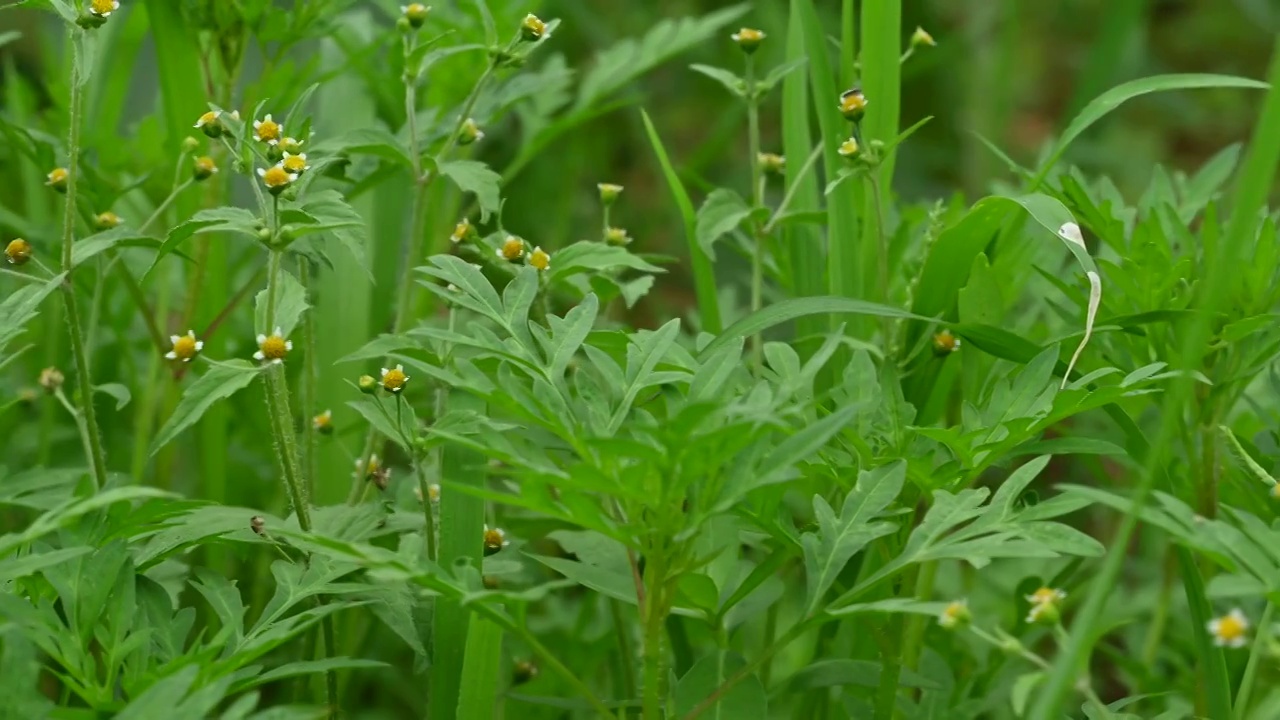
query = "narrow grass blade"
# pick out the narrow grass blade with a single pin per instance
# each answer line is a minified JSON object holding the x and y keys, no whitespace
{"x":794,"y":308}
{"x":461,"y":540}
{"x":1217,"y":686}
{"x":881,"y":82}
{"x":1120,"y":94}
{"x":479,"y":697}
{"x":704,"y":278}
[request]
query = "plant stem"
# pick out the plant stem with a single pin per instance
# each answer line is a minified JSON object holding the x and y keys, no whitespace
{"x":96,"y":457}
{"x":627,"y":686}
{"x":757,"y":201}
{"x":654,"y":619}
{"x":310,"y":375}
{"x":882,"y":261}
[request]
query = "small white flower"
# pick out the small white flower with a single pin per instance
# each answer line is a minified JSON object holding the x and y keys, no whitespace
{"x":394,"y":380}
{"x":185,"y":347}
{"x":103,"y":8}
{"x":272,"y":348}
{"x":1230,"y":630}
{"x":267,"y":130}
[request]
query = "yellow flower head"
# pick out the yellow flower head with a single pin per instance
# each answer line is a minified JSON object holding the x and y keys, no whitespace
{"x":461,"y":231}
{"x":853,"y":104}
{"x":291,"y":145}
{"x":17,"y":252}
{"x":267,"y":130}
{"x":393,"y":380}
{"x":494,"y":540}
{"x":617,"y":236}
{"x":57,"y":179}
{"x":185,"y":347}
{"x":608,"y":193}
{"x":1230,"y":630}
{"x":469,"y":132}
{"x":512,"y":249}
{"x":276,"y":178}
{"x":415,"y":13}
{"x":374,"y":469}
{"x":748,"y":39}
{"x":945,"y":343}
{"x":771,"y":163}
{"x":849,"y":148}
{"x":104,"y":8}
{"x":210,"y":123}
{"x":296,"y":164}
{"x":540,"y":259}
{"x":323,"y":423}
{"x":1046,"y":595}
{"x":203,"y":167}
{"x":955,"y":614}
{"x":532,"y":29}
{"x":272,"y":348}
{"x":107,"y":220}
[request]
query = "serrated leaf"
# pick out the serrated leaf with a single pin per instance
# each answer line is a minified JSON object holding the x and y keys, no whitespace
{"x":642,"y":356}
{"x":477,"y":178}
{"x":22,"y":305}
{"x":721,"y":213}
{"x":584,"y":256}
{"x":219,"y":383}
{"x":838,"y":539}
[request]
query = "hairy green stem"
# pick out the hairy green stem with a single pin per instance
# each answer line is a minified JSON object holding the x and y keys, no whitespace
{"x":757,"y":201}
{"x":654,"y":620}
{"x":310,"y":377}
{"x":96,"y":458}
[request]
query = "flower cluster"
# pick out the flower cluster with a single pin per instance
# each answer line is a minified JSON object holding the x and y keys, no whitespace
{"x":1044,"y":606}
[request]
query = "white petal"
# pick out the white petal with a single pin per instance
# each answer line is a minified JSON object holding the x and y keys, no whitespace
{"x":186,"y":359}
{"x":171,"y":355}
{"x":259,"y":356}
{"x":262,"y":339}
{"x":199,"y":345}
{"x":278,"y":332}
{"x":288,"y":344}
{"x":173,"y":338}
{"x":384,"y":372}
{"x":261,"y":172}
{"x":257,"y":124}
{"x":400,"y":368}
{"x":277,"y":361}
{"x":1214,"y":625}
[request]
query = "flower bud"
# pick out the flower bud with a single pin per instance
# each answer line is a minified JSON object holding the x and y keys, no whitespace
{"x":853,"y":104}
{"x":1044,"y":614}
{"x":203,"y":167}
{"x":955,"y":615}
{"x":523,"y":672}
{"x":51,"y":378}
{"x":920,"y":38}
{"x":190,"y":144}
{"x":367,"y":385}
{"x":532,"y":29}
{"x":415,"y":14}
{"x":944,"y":343}
{"x":17,"y":252}
{"x":849,"y":149}
{"x":57,"y":179}
{"x":748,"y":39}
{"x":608,"y":193}
{"x":107,"y":220}
{"x":617,"y":237}
{"x":469,"y":132}
{"x":771,"y":163}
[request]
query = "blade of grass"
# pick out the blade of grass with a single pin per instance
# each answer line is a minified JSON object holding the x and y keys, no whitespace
{"x":1212,"y":664}
{"x":881,"y":81}
{"x":461,"y":540}
{"x":704,"y":278}
{"x":479,"y":697}
{"x":803,"y":241}
{"x":1252,"y":186}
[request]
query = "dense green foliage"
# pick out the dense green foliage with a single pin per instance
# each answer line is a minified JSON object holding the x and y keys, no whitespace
{"x":340,"y":379}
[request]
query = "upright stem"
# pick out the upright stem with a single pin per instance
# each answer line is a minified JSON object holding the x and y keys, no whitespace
{"x":96,"y":457}
{"x":757,"y":200}
{"x":310,"y":373}
{"x":654,"y":619}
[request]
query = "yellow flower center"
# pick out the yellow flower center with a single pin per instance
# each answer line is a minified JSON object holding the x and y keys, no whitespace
{"x":540,"y":259}
{"x":849,"y":147}
{"x":268,"y":130}
{"x":1230,"y":628}
{"x":275,"y":177}
{"x":184,"y":347}
{"x":460,"y":231}
{"x":433,"y":492}
{"x":58,"y":175}
{"x":18,"y":251}
{"x":273,"y":348}
{"x":205,"y":165}
{"x":394,"y":380}
{"x":416,"y":11}
{"x":295,"y":163}
{"x":616,"y":236}
{"x":853,"y":102}
{"x":534,"y":27}
{"x":1044,"y":595}
{"x":494,"y":538}
{"x":102,"y":7}
{"x":946,"y":342}
{"x":108,"y":220}
{"x":750,"y":35}
{"x":208,"y":118}
{"x":513,"y":248}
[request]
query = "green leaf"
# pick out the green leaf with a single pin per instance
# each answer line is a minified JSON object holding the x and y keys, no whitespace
{"x":838,"y":539}
{"x":479,"y":693}
{"x":475,"y":177}
{"x":329,"y":213}
{"x":779,"y":72}
{"x":86,"y":249}
{"x":744,"y":701}
{"x":704,"y":278}
{"x":586,"y":256}
{"x":1120,"y":94}
{"x":308,"y":667}
{"x":224,"y":598}
{"x":163,"y":697}
{"x":734,"y":84}
{"x":721,"y":213}
{"x":366,"y":141}
{"x":220,"y":382}
{"x":779,"y":465}
{"x":1244,"y":459}
{"x":568,"y":334}
{"x":117,"y":391}
{"x":642,"y":356}
{"x":19,"y":567}
{"x":221,"y":219}
{"x":291,"y":302}
{"x":21,"y":306}
{"x":792,"y":308}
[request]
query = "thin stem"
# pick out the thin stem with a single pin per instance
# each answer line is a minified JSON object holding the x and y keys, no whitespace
{"x":882,"y":264}
{"x":622,"y":630}
{"x":1251,"y":668}
{"x":96,"y":457}
{"x":757,"y":200}
{"x":795,"y":187}
{"x":310,"y":378}
{"x":756,"y":663}
{"x":77,"y":417}
{"x":164,"y":205}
